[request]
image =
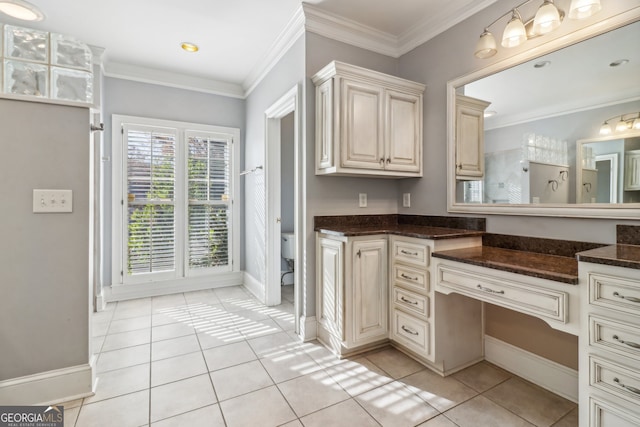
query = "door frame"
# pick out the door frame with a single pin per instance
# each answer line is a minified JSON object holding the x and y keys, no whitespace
{"x":290,"y":102}
{"x":613,"y":178}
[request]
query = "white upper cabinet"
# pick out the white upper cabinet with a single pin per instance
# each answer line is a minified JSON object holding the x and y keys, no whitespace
{"x":470,"y":137}
{"x":367,"y":123}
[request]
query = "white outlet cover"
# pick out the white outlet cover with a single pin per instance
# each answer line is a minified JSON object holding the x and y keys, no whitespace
{"x":406,"y":200}
{"x":362,"y":200}
{"x":52,"y":201}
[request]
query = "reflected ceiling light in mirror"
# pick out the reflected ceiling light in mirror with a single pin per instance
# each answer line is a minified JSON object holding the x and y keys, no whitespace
{"x":541,"y":64}
{"x":547,"y":18}
{"x":581,"y":9}
{"x":189,"y":47}
{"x":489,"y":113}
{"x":618,"y":62}
{"x":21,"y":9}
{"x":624,"y":124}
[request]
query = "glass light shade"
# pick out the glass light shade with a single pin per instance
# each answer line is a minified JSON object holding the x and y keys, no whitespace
{"x":20,"y":9}
{"x":636,"y":123}
{"x":605,"y":129}
{"x":581,"y":9}
{"x":514,"y":33}
{"x":621,"y":126}
{"x":547,"y":18}
{"x":486,"y":46}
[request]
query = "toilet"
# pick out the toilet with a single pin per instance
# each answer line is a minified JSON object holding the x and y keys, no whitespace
{"x":287,"y":251}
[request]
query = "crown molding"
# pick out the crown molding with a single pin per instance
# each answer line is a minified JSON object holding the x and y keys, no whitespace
{"x":170,"y":79}
{"x":287,"y":37}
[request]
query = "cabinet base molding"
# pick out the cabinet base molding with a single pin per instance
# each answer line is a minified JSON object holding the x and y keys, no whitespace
{"x":543,"y":372}
{"x":335,"y":345}
{"x":438,"y":368}
{"x":308,"y":328}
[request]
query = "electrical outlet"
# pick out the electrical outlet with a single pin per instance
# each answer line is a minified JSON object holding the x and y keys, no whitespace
{"x":52,"y":201}
{"x":406,"y":200}
{"x":362,"y":200}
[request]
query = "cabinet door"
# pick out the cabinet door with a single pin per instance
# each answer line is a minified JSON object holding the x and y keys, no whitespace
{"x":361,"y":131}
{"x":330,"y":283}
{"x":324,"y":126}
{"x":369,"y":293}
{"x":632,"y":170}
{"x":469,"y":138}
{"x":403,"y":132}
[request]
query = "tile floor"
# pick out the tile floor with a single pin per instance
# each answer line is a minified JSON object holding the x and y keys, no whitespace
{"x":220,"y":358}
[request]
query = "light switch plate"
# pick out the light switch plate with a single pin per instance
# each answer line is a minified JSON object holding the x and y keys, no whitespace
{"x":362,"y":200}
{"x":406,"y":200}
{"x":52,"y":201}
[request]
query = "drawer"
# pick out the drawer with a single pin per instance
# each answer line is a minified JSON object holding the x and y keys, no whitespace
{"x":611,"y":335}
{"x":410,"y":253}
{"x":411,"y":332}
{"x":606,"y":414}
{"x":615,"y":379}
{"x":418,"y":304}
{"x":617,"y":293}
{"x":522,"y":297}
{"x":411,"y":277}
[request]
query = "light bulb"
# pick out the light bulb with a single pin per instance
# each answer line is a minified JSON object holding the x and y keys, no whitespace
{"x":581,"y":9}
{"x":636,"y":123}
{"x":621,"y":126}
{"x":547,"y":18}
{"x":486,"y":46}
{"x":605,"y":129}
{"x":514,"y":33}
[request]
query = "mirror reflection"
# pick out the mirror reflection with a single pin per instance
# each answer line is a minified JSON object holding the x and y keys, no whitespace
{"x":543,"y":124}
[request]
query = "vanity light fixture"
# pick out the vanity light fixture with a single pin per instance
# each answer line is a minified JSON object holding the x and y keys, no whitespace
{"x":547,"y":18}
{"x":624,"y":123}
{"x":21,"y":9}
{"x":189,"y":47}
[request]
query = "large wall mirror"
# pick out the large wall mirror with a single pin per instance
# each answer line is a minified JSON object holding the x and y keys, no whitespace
{"x":545,"y":149}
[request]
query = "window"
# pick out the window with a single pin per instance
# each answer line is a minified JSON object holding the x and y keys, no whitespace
{"x":174,"y":189}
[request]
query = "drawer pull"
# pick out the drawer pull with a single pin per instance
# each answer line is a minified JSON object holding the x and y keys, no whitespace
{"x":632,"y":299}
{"x":408,"y":253}
{"x":629,"y":343}
{"x":409,"y":331}
{"x":409,"y":301}
{"x":482,"y":288}
{"x":627,"y":387}
{"x":404,"y":276}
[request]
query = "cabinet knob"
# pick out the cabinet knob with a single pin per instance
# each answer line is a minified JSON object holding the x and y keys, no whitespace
{"x":388,"y":160}
{"x":381,"y":161}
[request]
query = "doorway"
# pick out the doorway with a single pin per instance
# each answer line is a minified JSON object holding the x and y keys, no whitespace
{"x":284,"y":200}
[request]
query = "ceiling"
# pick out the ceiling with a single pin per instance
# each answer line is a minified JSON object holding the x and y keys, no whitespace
{"x":235,"y":37}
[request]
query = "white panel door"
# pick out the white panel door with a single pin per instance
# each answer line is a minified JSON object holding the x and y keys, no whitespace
{"x":404,"y":132}
{"x":330,"y":282}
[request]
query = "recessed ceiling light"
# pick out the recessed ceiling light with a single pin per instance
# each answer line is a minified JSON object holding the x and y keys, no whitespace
{"x":541,"y":64}
{"x":490,"y":113}
{"x":618,"y":62}
{"x":189,"y":47}
{"x":21,"y":9}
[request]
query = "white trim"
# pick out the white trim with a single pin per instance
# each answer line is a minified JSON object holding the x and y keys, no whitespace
{"x":612,"y":158}
{"x":58,"y":385}
{"x":547,"y":374}
{"x":253,"y":285}
{"x":308,"y":328}
{"x":120,"y":292}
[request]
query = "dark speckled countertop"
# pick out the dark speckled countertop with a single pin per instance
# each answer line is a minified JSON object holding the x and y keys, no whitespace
{"x":617,"y":255}
{"x":551,"y":267}
{"x":408,"y":230}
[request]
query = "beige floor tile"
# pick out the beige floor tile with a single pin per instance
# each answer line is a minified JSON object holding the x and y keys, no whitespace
{"x":141,"y":303}
{"x":245,"y":316}
{"x":70,"y":416}
{"x":289,"y":365}
{"x":240,"y":379}
{"x":96,"y":343}
{"x":128,"y":313}
{"x":482,"y":412}
{"x":124,"y":357}
{"x":264,"y":408}
{"x":534,"y":404}
{"x":206,"y":296}
{"x":172,"y":330}
{"x":130,"y":410}
{"x":99,"y":328}
{"x":174,"y":347}
{"x":441,"y":421}
{"x":569,"y":420}
{"x":394,"y":405}
{"x":168,"y":301}
{"x":126,"y":325}
{"x":102,"y":316}
{"x":177,"y":368}
{"x":120,"y":381}
{"x":159,"y":319}
{"x":322,"y":356}
{"x":209,"y":416}
{"x":285,"y":321}
{"x":126,"y":339}
{"x":228,"y":355}
{"x":343,"y":414}
{"x":358,"y":376}
{"x":181,"y":396}
{"x":273,"y":345}
{"x":72,"y":404}
{"x":482,"y":376}
{"x":231,"y":292}
{"x":219,"y":336}
{"x":441,"y":393}
{"x":395,"y":363}
{"x":312,"y":392}
{"x":295,"y":423}
{"x":258,"y":328}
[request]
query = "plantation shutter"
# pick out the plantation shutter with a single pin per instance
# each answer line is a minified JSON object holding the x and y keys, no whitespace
{"x":209,"y":210}
{"x":150,"y":200}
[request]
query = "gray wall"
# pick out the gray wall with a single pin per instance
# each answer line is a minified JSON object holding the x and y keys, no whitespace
{"x":44,"y":308}
{"x":131,"y":98}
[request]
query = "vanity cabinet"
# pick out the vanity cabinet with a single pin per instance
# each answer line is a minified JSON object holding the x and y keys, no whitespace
{"x":352,"y":292}
{"x":632,"y":170}
{"x":469,"y":137}
{"x":367,"y":123}
{"x":609,"y":346}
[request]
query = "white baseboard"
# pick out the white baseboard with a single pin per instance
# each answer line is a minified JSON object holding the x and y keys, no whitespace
{"x":547,"y":374}
{"x":308,"y":328}
{"x":254,"y":286}
{"x":51,"y":387}
{"x":101,"y":303}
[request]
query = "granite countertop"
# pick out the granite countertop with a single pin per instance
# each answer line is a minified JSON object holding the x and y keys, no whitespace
{"x":619,"y":255}
{"x":408,"y":230}
{"x":551,"y":267}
